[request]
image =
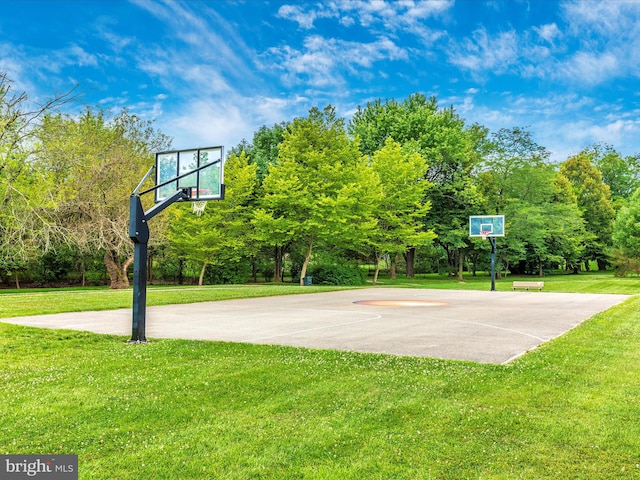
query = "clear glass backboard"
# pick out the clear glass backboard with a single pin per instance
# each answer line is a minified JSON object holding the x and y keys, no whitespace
{"x":199,"y":169}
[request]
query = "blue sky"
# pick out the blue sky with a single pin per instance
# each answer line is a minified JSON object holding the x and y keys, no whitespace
{"x":213,"y":72}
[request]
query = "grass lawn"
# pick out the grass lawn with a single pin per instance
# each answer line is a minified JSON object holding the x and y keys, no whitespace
{"x":596,"y":282}
{"x":15,"y":303}
{"x":175,"y":409}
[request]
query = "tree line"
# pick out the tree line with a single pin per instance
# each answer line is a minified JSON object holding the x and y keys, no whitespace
{"x":314,"y":196}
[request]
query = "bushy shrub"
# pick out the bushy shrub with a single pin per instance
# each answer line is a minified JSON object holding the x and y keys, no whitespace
{"x":59,"y":266}
{"x":168,"y":269}
{"x":337,"y":274}
{"x":232,"y":272}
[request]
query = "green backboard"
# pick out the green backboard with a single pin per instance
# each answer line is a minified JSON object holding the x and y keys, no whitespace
{"x":199,"y":169}
{"x":486,"y":226}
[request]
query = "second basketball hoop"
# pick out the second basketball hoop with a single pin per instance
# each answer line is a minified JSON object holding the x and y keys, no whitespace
{"x":488,"y":227}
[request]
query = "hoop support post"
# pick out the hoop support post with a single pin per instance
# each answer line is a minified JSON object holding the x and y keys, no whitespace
{"x":139,"y":234}
{"x":493,"y":263}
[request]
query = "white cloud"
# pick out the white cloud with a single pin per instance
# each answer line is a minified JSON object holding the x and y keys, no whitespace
{"x":117,"y":42}
{"x":607,"y":35}
{"x":413,"y":19}
{"x":77,"y":55}
{"x":381,"y":16}
{"x":569,"y":136}
{"x":227,"y":121}
{"x":550,"y":105}
{"x":608,"y":18}
{"x":12,"y":63}
{"x":314,"y":66}
{"x":26,"y":67}
{"x":201,"y":42}
{"x":323,"y":61}
{"x":204,"y":123}
{"x":33,"y":73}
{"x":347,"y":21}
{"x":615,"y":132}
{"x":484,"y":53}
{"x":202,"y":78}
{"x":369,"y":12}
{"x":549,"y":32}
{"x":599,"y":42}
{"x":494,"y":118}
{"x":395,"y":14}
{"x":590,"y":68}
{"x":297,"y":14}
{"x":564,"y":122}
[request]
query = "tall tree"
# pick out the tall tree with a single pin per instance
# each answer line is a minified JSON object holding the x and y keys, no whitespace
{"x":594,"y":200}
{"x":626,"y":235}
{"x":223,"y":233}
{"x":452,"y":150}
{"x":319,"y":190}
{"x":403,"y":204}
{"x":544,"y":225}
{"x":94,"y":164}
{"x":622,"y":174}
{"x":511,"y":156}
{"x":543,"y":234}
{"x":23,"y":227}
{"x":263,"y":152}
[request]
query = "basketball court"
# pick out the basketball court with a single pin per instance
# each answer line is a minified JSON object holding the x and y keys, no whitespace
{"x":489,"y":326}
{"x":482,"y":326}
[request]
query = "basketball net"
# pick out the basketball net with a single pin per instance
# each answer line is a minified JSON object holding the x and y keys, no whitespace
{"x":199,"y":206}
{"x":484,"y":234}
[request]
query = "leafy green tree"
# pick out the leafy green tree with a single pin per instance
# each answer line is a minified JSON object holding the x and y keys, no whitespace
{"x":512,"y":157}
{"x":319,"y":190}
{"x":94,"y":163}
{"x":570,"y":233}
{"x":264,"y":152}
{"x":452,"y":150}
{"x":24,"y":229}
{"x":266,"y":145}
{"x":594,"y":200}
{"x":626,"y":235}
{"x":544,"y":224}
{"x":223,"y":233}
{"x":541,"y":235}
{"x":402,"y":206}
{"x":622,"y":174}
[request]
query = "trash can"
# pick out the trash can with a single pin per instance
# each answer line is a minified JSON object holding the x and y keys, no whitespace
{"x":306,"y":281}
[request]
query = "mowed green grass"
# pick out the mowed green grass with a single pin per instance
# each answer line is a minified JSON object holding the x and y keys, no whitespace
{"x":174,"y":409}
{"x":15,"y":303}
{"x":596,"y":282}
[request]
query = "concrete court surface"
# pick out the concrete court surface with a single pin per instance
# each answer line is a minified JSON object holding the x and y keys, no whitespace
{"x":481,"y":326}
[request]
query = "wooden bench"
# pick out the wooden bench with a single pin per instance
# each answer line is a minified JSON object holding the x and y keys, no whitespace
{"x":528,"y":285}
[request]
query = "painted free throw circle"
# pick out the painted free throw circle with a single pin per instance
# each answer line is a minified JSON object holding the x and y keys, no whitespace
{"x":402,"y":303}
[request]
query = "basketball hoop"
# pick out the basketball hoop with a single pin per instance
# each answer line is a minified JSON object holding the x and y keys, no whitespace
{"x":199,"y":206}
{"x":484,"y":234}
